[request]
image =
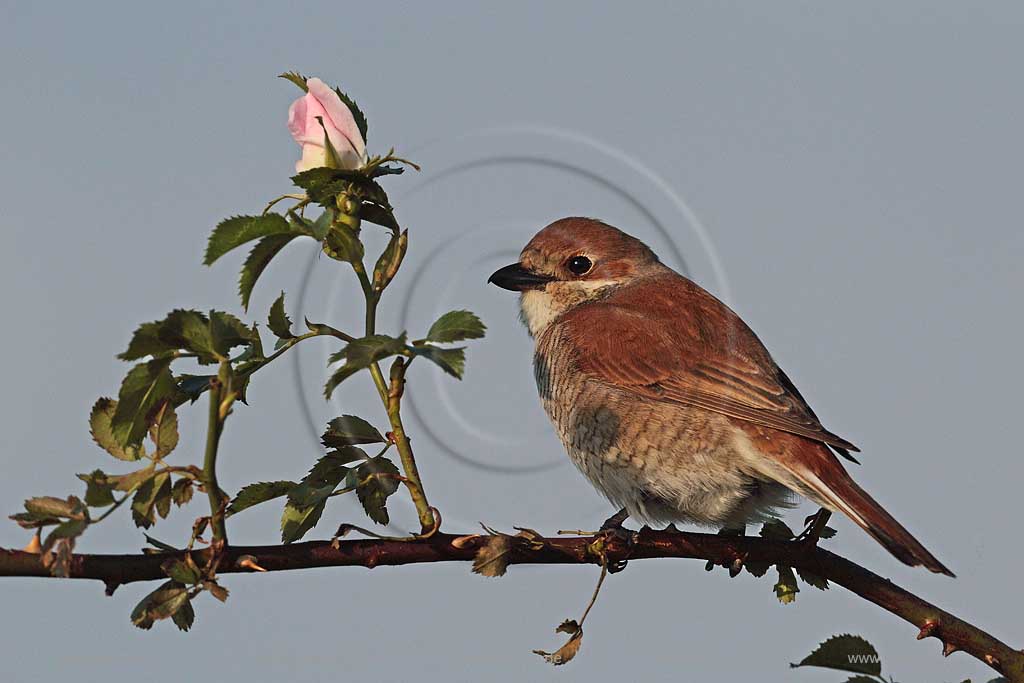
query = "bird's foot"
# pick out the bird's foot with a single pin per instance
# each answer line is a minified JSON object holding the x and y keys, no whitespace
{"x":815,"y":526}
{"x":736,"y":566}
{"x":612,"y":533}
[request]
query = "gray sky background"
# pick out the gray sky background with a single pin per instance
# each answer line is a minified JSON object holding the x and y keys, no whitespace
{"x":856,"y":169}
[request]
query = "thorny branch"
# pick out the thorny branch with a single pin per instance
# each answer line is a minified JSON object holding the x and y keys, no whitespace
{"x":931,"y":621}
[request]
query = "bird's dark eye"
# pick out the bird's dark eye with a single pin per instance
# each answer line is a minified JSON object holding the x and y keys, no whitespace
{"x":579,"y":265}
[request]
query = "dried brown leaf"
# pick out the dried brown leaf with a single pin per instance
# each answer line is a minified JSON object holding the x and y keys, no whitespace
{"x":492,"y":557}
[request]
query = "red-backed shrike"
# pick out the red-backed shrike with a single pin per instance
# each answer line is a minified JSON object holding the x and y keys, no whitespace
{"x":666,"y":400}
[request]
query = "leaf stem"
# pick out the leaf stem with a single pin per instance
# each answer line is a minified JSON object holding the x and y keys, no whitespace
{"x":214,"y":428}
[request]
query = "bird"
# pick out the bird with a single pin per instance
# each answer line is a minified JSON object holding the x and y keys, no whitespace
{"x":666,"y":401}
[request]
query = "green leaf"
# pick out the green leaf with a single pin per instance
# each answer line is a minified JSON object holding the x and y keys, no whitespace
{"x":390,"y":260}
{"x":349,"y":430}
{"x":98,"y":489}
{"x":147,"y":341}
{"x":361,"y":353}
{"x":143,"y":390}
{"x":295,"y":521}
{"x":777,"y":530}
{"x":100,"y":428}
{"x":257,"y":493}
{"x":257,"y":261}
{"x":296,"y":78}
{"x":162,"y":603}
{"x":325,"y":476}
{"x":144,"y":503}
{"x":812,"y":579}
{"x":758,"y":569}
{"x":827,"y":532}
{"x":181,"y":492}
{"x":279,"y":322}
{"x":373,"y":491}
{"x":227,"y":332}
{"x":184,"y":617}
{"x":786,"y":588}
{"x":342,"y":244}
{"x":128,"y":482}
{"x":845,"y":653}
{"x":164,"y":430}
{"x":63,"y":537}
{"x":379,"y":215}
{"x":452,"y":361}
{"x":235,"y":231}
{"x":50,"y":506}
{"x":183,"y":571}
{"x":456,"y":326}
{"x":357,"y":113}
{"x":191,"y":387}
{"x":156,"y":543}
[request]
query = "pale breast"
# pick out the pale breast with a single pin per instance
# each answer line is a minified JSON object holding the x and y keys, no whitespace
{"x":662,"y":462}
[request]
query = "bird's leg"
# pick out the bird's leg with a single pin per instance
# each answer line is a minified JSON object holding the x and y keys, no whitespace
{"x":815,"y":525}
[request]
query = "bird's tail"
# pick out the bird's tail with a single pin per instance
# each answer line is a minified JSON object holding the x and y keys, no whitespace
{"x":842,"y":493}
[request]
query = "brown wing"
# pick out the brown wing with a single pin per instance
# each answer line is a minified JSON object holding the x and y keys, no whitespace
{"x":667,"y":339}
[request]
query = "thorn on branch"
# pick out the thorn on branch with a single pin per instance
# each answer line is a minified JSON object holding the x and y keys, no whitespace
{"x":928,"y":630}
{"x":249,"y":562}
{"x":992,"y":660}
{"x":948,"y":649}
{"x":110,"y":585}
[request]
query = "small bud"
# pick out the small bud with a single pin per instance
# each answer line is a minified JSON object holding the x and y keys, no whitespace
{"x":992,"y":660}
{"x":463,"y":541}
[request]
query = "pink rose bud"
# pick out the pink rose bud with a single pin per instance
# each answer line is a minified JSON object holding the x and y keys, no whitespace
{"x":338,"y":122}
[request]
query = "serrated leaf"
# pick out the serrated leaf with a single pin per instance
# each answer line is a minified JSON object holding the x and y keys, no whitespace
{"x":227,"y":332}
{"x":257,"y":261}
{"x":373,"y":491}
{"x":257,"y":493}
{"x":278,"y":321}
{"x":296,"y":78}
{"x":342,"y":244}
{"x":144,"y":389}
{"x":98,"y":489}
{"x":378,"y":215}
{"x":776,"y":529}
{"x":184,"y":616}
{"x":758,"y":569}
{"x":813,"y":579}
{"x":181,"y":492}
{"x":350,"y":430}
{"x":492,"y":557}
{"x":164,"y":430}
{"x":183,"y":571}
{"x":456,"y":326}
{"x":216,"y":590}
{"x":100,"y":427}
{"x":127,"y":482}
{"x":235,"y":231}
{"x":146,"y":341}
{"x":51,"y":506}
{"x":146,"y":497}
{"x":160,"y":604}
{"x":324,"y":477}
{"x":357,"y":113}
{"x":786,"y":588}
{"x":361,"y":353}
{"x":191,"y":387}
{"x":845,"y":653}
{"x":295,"y":522}
{"x":452,"y":361}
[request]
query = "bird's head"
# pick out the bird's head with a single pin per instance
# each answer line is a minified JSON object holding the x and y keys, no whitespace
{"x":571,"y":262}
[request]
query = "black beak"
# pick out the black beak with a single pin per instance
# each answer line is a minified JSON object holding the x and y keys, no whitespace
{"x":517,"y":278}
